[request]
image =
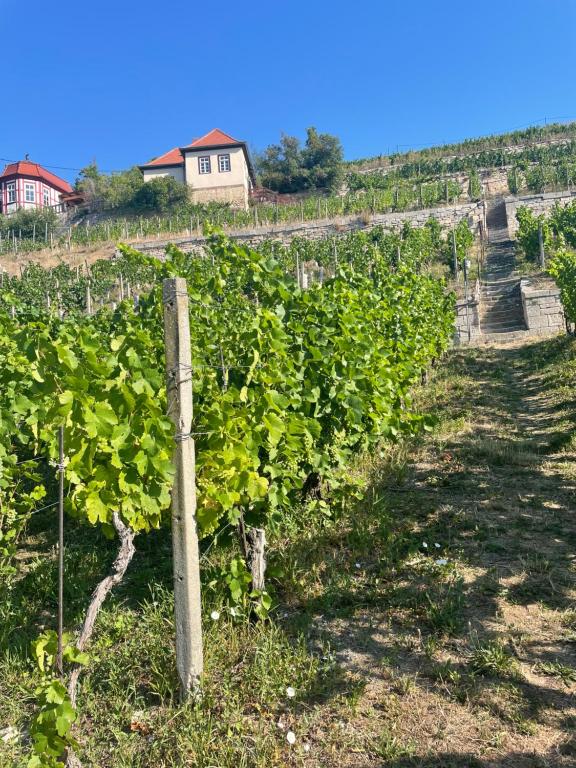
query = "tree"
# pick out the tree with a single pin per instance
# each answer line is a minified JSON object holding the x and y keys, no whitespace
{"x":160,"y":195}
{"x":116,"y":190}
{"x":322,"y":158}
{"x":286,"y":167}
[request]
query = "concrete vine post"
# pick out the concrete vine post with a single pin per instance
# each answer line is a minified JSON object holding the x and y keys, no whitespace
{"x":187,"y":600}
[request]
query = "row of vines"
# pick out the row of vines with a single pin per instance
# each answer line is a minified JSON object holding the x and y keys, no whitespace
{"x":28,"y":232}
{"x":558,"y":233}
{"x":289,"y":385}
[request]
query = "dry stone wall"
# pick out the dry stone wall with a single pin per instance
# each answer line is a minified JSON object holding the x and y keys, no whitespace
{"x":467,"y":321}
{"x":317,"y":230}
{"x":543,"y":313}
{"x":541,"y":203}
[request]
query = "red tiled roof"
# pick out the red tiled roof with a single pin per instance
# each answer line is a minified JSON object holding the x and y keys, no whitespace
{"x":214,"y":138}
{"x":34,"y":171}
{"x":172,"y":157}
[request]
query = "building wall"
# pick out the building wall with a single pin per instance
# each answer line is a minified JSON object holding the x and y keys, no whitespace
{"x":205,"y":185}
{"x":177,"y":172}
{"x":21,"y":202}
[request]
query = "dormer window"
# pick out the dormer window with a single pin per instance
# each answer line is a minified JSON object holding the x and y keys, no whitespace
{"x":204,"y":165}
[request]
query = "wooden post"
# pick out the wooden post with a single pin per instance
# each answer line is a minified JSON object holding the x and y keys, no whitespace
{"x":455,"y":253}
{"x":541,"y":246}
{"x":88,"y":299}
{"x":60,"y":547}
{"x":187,"y":602}
{"x":257,"y":557}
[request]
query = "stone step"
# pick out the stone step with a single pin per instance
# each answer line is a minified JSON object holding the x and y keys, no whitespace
{"x":513,"y":324}
{"x":503,"y":338}
{"x":502,"y":317}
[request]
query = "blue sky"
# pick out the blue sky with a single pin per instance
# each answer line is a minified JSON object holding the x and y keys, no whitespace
{"x":123,"y":81}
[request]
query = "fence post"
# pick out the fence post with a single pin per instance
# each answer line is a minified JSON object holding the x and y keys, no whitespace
{"x":187,"y":602}
{"x":88,"y":299}
{"x":455,"y":253}
{"x":541,"y":246}
{"x":60,"y":546}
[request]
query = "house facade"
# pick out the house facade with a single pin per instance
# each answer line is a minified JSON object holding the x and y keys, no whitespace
{"x":216,"y":167}
{"x":25,"y":184}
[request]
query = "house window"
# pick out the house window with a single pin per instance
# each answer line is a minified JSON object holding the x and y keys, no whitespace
{"x":46,"y":198}
{"x":223,"y":163}
{"x":204,"y":165}
{"x":11,"y":192}
{"x":29,"y":193}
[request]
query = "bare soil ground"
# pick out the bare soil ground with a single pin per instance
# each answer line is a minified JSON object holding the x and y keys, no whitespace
{"x":487,"y":676}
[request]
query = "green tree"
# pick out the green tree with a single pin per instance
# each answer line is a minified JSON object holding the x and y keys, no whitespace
{"x":160,"y":195}
{"x":288,"y":167}
{"x":116,"y":190}
{"x":322,"y":157}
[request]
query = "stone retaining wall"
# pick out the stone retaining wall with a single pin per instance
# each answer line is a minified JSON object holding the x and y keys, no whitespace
{"x":543,"y":313}
{"x":541,"y":203}
{"x":317,"y":230}
{"x":467,"y":322}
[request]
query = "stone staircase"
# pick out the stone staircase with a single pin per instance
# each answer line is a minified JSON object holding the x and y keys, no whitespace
{"x":501,"y":316}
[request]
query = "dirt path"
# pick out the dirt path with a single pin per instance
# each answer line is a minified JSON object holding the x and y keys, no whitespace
{"x":463,"y":642}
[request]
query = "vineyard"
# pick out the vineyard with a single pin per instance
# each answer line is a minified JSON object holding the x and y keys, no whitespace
{"x":289,"y":387}
{"x":326,"y":417}
{"x":534,"y":161}
{"x":27,"y":235}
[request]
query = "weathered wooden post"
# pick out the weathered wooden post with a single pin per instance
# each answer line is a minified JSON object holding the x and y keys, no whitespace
{"x":88,"y":299}
{"x":187,"y":602}
{"x":541,"y":253}
{"x":455,"y":253}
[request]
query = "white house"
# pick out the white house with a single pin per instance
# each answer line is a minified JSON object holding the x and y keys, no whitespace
{"x":25,"y":184}
{"x":215,"y":167}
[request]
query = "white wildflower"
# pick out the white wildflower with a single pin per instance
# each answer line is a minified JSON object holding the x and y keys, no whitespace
{"x":425,"y":545}
{"x":437,"y":545}
{"x":357,"y":565}
{"x":215,"y":615}
{"x":441,"y":561}
{"x":291,"y":737}
{"x":306,"y":747}
{"x":290,"y":692}
{"x":9,"y":734}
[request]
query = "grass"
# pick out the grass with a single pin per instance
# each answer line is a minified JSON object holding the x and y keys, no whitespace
{"x":460,"y":654}
{"x":493,"y":659}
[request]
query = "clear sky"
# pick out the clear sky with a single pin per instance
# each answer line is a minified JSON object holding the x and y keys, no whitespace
{"x":121,"y":81}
